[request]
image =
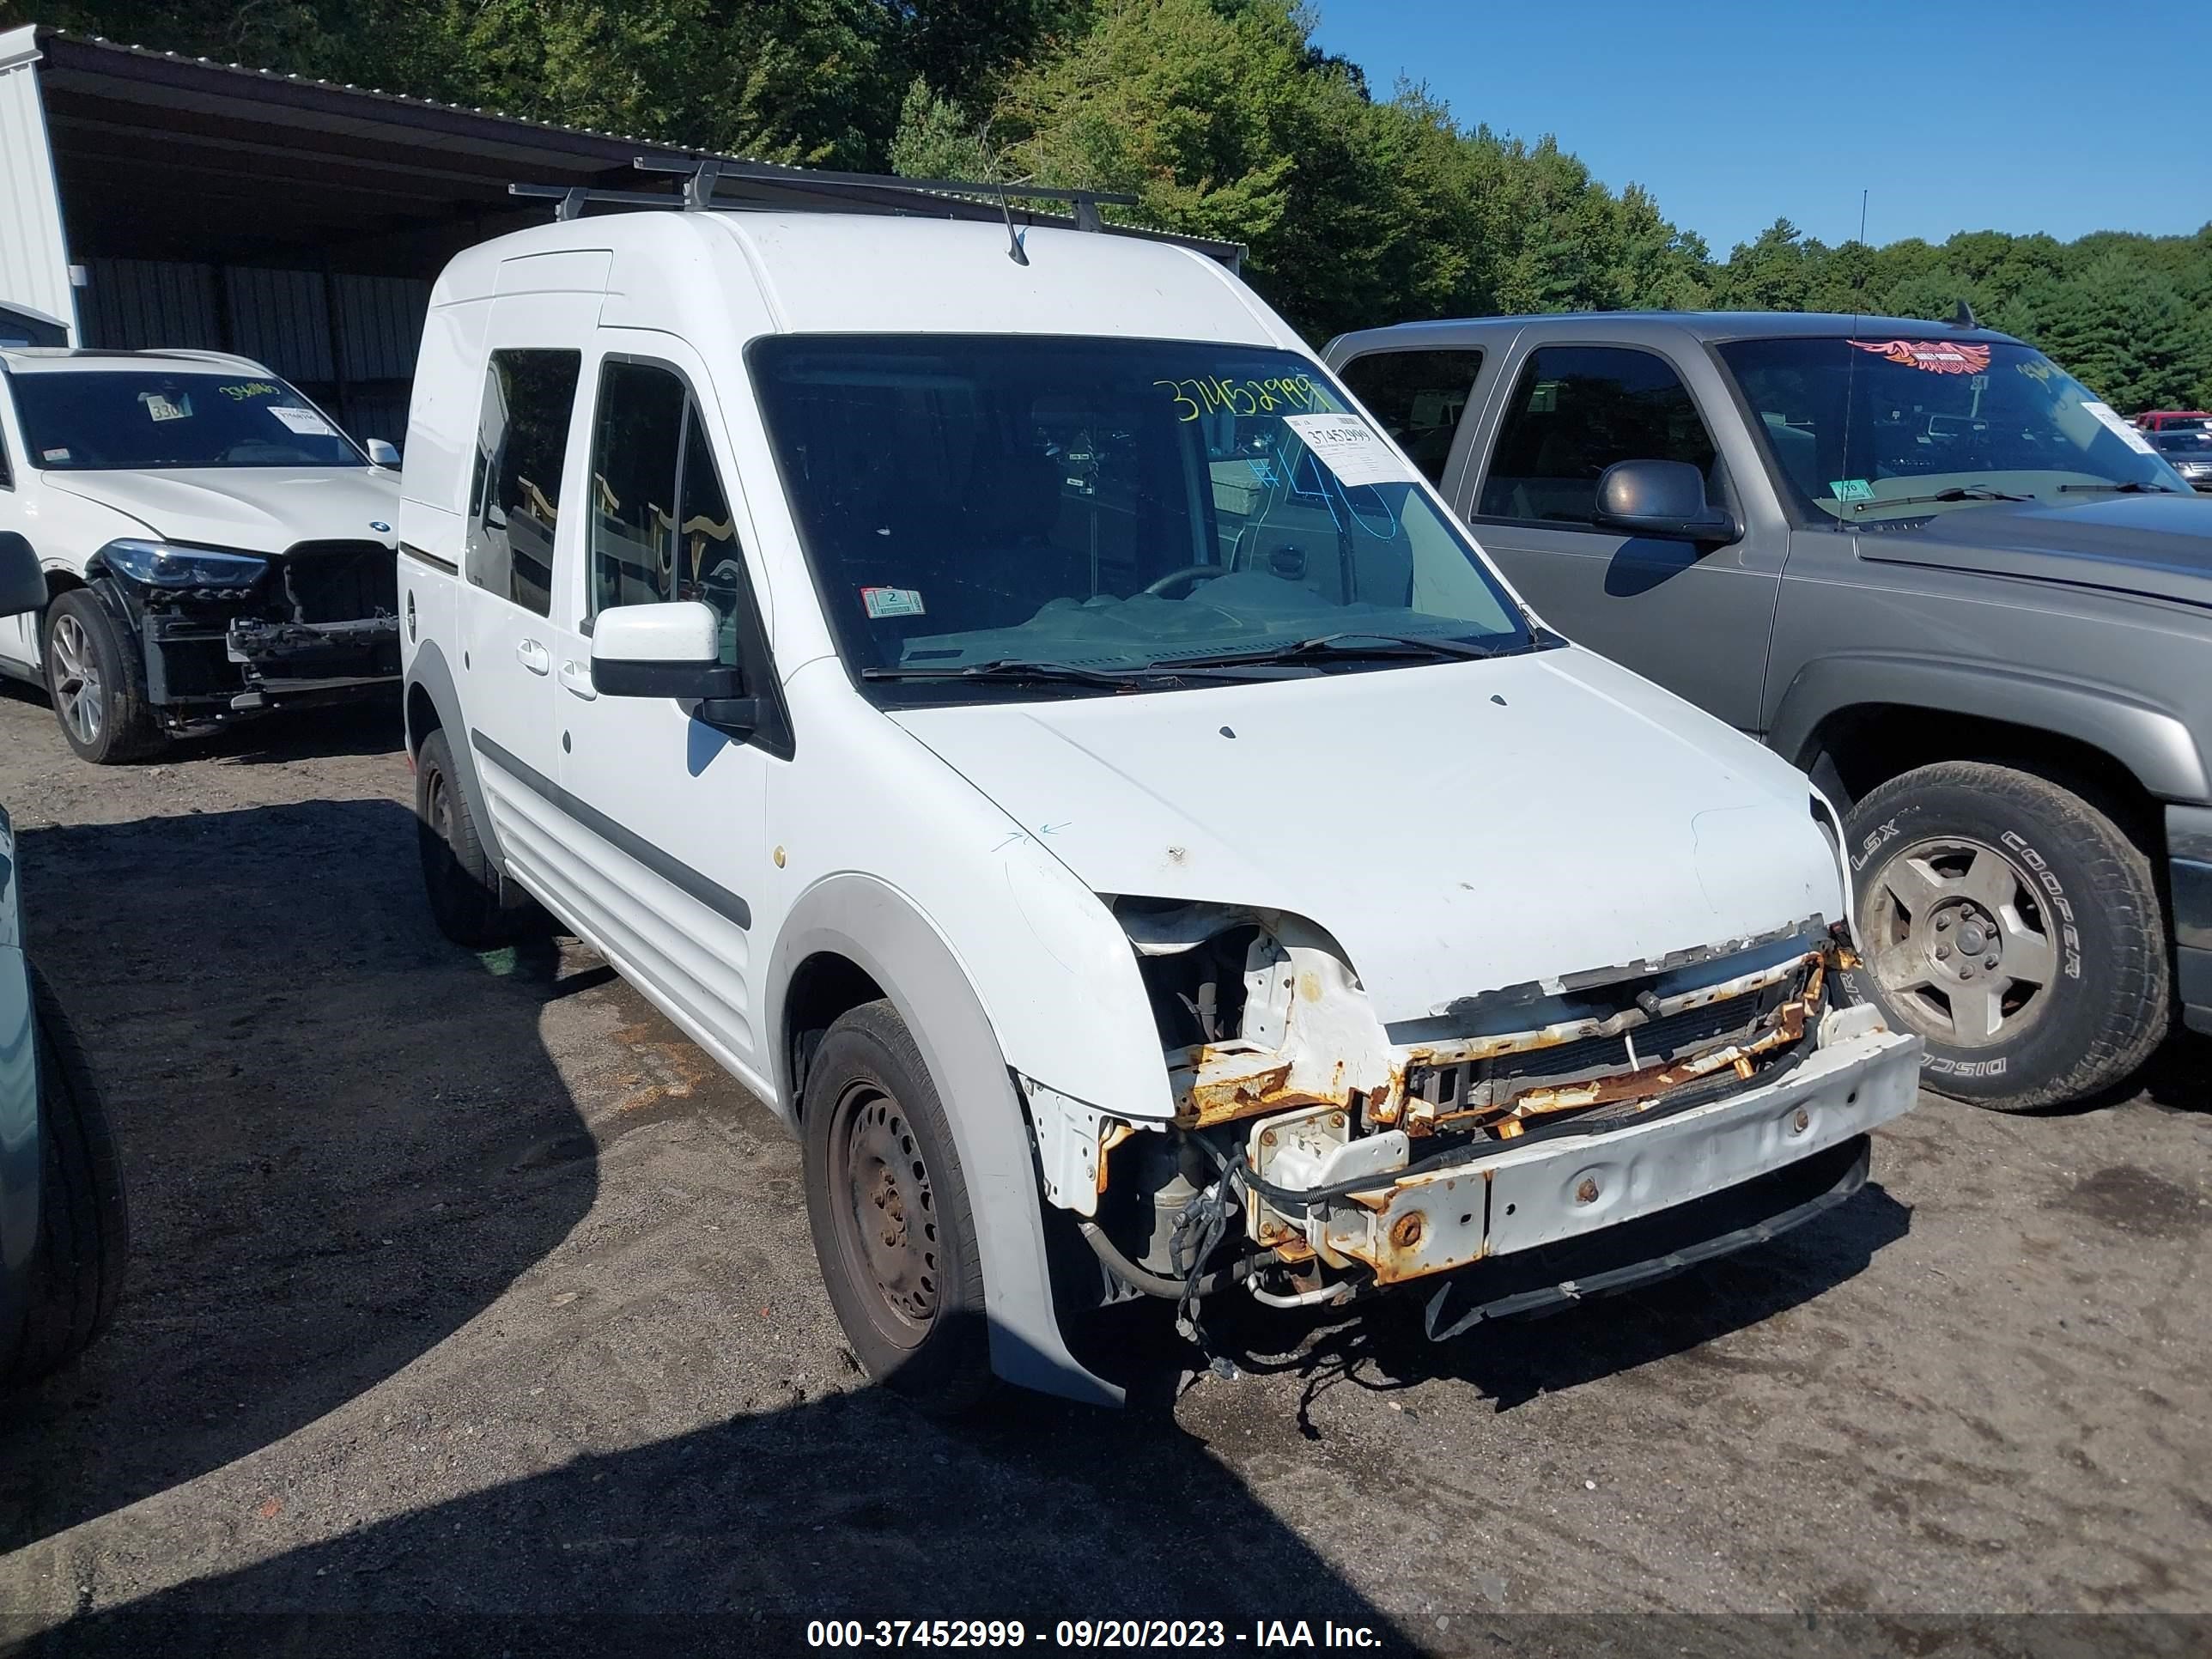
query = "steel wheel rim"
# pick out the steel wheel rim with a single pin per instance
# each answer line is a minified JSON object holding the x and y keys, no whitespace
{"x":885,"y":1214}
{"x":1959,"y":936}
{"x":77,"y":690}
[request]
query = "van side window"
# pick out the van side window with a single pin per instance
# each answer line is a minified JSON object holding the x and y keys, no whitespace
{"x":1577,"y":411}
{"x":522,"y":438}
{"x":662,"y":525}
{"x":1418,"y":396}
{"x":7,"y":476}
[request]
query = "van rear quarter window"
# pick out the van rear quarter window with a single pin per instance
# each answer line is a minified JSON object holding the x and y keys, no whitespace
{"x":522,"y":437}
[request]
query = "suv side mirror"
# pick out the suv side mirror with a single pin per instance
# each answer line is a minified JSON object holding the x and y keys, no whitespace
{"x":1660,"y":498}
{"x":22,"y":584}
{"x":671,"y":650}
{"x":382,"y":453}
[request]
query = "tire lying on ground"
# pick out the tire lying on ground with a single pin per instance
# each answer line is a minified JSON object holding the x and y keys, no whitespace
{"x":84,"y":1228}
{"x":2014,"y":927}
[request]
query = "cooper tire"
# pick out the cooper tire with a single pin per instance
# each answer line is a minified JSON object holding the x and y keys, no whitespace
{"x":888,"y":1210}
{"x":97,"y":676}
{"x":458,"y":876}
{"x":84,"y":1224}
{"x":2058,"y":905}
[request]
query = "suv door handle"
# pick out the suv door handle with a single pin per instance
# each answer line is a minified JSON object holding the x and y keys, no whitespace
{"x":577,"y":678}
{"x":533,"y":655}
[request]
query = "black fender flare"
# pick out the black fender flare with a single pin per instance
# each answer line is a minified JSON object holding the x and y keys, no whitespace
{"x":2153,"y":745}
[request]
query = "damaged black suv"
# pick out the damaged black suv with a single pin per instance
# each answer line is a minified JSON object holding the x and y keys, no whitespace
{"x":213,"y":544}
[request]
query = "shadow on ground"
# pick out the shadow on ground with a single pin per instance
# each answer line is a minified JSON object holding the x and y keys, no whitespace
{"x":733,"y":1538}
{"x":1381,"y":1348}
{"x":343,"y":1137}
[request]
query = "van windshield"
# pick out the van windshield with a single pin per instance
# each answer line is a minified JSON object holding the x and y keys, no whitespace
{"x":974,"y":507}
{"x":109,"y":420}
{"x":1877,"y":429}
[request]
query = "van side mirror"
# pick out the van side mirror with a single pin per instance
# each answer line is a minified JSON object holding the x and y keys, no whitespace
{"x":671,"y":650}
{"x":382,"y":453}
{"x":22,"y":584}
{"x":1666,"y":499}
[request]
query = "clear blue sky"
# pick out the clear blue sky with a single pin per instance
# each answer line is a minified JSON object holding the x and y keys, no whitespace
{"x":2022,"y":116}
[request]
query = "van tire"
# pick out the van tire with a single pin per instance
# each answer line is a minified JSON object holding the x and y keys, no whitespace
{"x":893,"y":1232}
{"x":2090,"y":891}
{"x":84,"y":1224}
{"x":118,"y":725}
{"x":463,"y":887}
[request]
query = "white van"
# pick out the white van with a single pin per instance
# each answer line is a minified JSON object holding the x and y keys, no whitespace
{"x":1025,"y":722}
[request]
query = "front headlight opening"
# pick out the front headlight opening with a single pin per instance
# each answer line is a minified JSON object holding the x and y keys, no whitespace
{"x":163,"y":564}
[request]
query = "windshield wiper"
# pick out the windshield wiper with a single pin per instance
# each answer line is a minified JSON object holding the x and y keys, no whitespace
{"x":1956,"y":493}
{"x":2132,"y":487}
{"x":1351,"y":644}
{"x":1018,"y":671}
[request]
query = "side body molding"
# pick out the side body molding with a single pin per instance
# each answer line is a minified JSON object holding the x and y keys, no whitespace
{"x":874,"y":926}
{"x":430,"y":670}
{"x":2151,"y":744}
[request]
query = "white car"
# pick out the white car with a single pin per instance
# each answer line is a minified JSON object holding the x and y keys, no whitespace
{"x":213,"y":544}
{"x":1025,"y":722}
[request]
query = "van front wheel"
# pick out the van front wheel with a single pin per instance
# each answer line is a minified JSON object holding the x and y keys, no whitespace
{"x":889,"y":1212}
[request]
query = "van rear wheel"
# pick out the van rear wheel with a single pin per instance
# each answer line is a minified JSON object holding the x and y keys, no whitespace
{"x":2014,"y":927}
{"x":463,"y":887}
{"x":888,"y":1210}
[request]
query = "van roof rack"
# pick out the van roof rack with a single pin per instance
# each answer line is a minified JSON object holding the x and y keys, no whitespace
{"x":764,"y":185}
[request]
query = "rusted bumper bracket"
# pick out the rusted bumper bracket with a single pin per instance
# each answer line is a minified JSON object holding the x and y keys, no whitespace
{"x":1656,"y":1247}
{"x":1528,"y":1194}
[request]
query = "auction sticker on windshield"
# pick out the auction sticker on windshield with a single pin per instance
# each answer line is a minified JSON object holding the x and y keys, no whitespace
{"x":2109,"y":419}
{"x":1350,"y":448}
{"x":303,"y":422}
{"x":881,"y":602}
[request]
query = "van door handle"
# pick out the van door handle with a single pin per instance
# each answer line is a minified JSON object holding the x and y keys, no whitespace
{"x":533,"y":655}
{"x":577,"y":676}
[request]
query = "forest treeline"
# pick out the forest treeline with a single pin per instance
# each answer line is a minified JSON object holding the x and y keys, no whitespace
{"x":1359,"y":205}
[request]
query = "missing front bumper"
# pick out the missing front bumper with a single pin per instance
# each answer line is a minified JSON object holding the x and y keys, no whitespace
{"x":1502,"y":1201}
{"x":1642,"y":1252}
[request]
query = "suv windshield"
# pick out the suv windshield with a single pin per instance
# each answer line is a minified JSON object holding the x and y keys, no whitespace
{"x":1874,"y":429}
{"x":109,"y":420}
{"x":976,"y":508}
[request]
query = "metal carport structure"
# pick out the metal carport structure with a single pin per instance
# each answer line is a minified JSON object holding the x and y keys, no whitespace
{"x":150,"y":200}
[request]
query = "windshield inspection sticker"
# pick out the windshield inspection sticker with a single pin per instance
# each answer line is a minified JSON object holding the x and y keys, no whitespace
{"x":1349,"y":448}
{"x":2127,"y":434}
{"x":1936,"y":357}
{"x":1851,"y":489}
{"x":304,"y":421}
{"x":882,"y":602}
{"x":160,"y":408}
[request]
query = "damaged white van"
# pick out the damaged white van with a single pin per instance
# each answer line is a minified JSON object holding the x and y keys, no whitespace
{"x":1019,"y":715}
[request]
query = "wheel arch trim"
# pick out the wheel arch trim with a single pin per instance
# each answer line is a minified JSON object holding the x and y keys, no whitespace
{"x":881,"y":931}
{"x":429,"y":673}
{"x":2154,"y":746}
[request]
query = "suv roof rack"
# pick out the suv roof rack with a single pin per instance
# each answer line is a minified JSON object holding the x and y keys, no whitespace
{"x":760,"y":185}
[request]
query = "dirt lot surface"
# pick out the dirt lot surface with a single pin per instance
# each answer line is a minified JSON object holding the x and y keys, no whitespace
{"x":466,"y":1288}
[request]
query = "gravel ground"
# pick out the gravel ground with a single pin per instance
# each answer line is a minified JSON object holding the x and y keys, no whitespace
{"x":470,"y":1300}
